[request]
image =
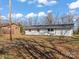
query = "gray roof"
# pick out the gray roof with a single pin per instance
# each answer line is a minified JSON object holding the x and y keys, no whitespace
{"x":53,"y":26}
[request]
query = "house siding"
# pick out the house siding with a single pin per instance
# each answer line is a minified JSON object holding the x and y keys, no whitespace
{"x":55,"y":32}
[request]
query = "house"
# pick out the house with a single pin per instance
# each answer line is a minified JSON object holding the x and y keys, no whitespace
{"x":15,"y":29}
{"x":54,"y":29}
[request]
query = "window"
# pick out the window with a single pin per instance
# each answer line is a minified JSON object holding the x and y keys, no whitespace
{"x":29,"y":29}
{"x":50,"y":29}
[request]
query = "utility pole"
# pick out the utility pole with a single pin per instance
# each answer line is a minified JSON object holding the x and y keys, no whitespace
{"x":10,"y":18}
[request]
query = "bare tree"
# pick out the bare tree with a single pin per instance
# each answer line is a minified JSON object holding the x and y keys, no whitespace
{"x":76,"y":25}
{"x":30,"y":21}
{"x":49,"y":19}
{"x":78,"y":21}
{"x":67,"y":19}
{"x":35,"y":20}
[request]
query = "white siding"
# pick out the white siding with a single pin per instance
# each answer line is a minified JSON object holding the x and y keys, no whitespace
{"x":67,"y":32}
{"x":62,"y":32}
{"x":35,"y":32}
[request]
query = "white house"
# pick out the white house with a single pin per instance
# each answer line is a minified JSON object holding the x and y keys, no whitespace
{"x":55,"y":30}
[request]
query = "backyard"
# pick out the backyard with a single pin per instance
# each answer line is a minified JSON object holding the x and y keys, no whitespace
{"x":40,"y":47}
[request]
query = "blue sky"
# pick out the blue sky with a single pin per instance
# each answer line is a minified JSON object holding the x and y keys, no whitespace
{"x":28,"y":8}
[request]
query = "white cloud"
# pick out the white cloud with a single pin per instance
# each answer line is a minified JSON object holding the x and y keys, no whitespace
{"x":3,"y":17}
{"x":41,"y":14}
{"x":74,"y":5}
{"x":52,"y":2}
{"x":22,"y":0}
{"x":31,"y":15}
{"x":49,"y":11}
{"x":18,"y":15}
{"x":47,"y":2}
{"x":39,"y":5}
{"x":42,"y":2}
{"x":31,"y":1}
